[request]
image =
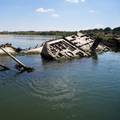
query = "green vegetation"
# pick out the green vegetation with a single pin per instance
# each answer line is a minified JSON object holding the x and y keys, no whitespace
{"x":104,"y":34}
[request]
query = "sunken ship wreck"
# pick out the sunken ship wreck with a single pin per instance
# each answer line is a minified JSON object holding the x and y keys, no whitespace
{"x":65,"y":48}
{"x":75,"y":46}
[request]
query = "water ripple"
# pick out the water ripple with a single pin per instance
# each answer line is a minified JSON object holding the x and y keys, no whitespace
{"x":52,"y":90}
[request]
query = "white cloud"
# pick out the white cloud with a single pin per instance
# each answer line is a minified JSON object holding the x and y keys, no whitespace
{"x":75,"y":1}
{"x":92,"y":11}
{"x":50,"y":12}
{"x":43,"y":10}
{"x":55,"y":15}
{"x":82,"y":0}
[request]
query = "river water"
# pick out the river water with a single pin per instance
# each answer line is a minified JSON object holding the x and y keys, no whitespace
{"x":81,"y":89}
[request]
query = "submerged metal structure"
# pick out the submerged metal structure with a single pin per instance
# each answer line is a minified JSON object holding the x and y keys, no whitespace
{"x":20,"y":66}
{"x":75,"y":46}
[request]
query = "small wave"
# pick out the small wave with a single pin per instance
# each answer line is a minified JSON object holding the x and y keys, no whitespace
{"x":52,"y":90}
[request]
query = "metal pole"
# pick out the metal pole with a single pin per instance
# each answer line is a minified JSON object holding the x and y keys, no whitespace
{"x":15,"y":59}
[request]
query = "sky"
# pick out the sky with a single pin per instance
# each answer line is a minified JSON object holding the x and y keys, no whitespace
{"x":65,"y":15}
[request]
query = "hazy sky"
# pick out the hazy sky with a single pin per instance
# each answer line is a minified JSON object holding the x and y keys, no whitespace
{"x":58,"y":14}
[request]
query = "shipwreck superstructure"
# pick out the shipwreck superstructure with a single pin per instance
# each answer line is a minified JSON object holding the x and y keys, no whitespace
{"x":74,"y":46}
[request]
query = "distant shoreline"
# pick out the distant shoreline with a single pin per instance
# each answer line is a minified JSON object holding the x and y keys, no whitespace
{"x":56,"y":33}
